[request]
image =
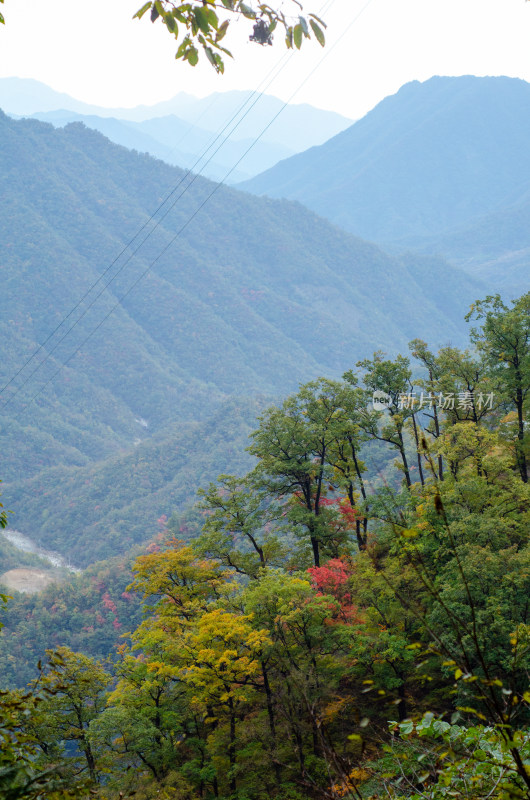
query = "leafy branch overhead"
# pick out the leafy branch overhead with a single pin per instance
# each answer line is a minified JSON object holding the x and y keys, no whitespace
{"x":205,"y":25}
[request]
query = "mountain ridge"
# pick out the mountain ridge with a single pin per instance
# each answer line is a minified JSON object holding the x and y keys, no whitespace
{"x":431,"y":160}
{"x":252,"y":298}
{"x":300,"y":123}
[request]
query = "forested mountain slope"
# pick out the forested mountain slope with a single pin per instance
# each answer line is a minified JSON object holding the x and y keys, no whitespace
{"x":433,"y":166}
{"x":106,"y":507}
{"x":494,"y":248}
{"x":253,"y":296}
{"x":308,"y":630}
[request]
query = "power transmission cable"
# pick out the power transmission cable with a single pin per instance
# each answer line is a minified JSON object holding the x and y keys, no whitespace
{"x":269,"y":78}
{"x":214,"y":190}
{"x":129,"y":244}
{"x":133,"y":252}
{"x":203,"y":203}
{"x":195,"y":176}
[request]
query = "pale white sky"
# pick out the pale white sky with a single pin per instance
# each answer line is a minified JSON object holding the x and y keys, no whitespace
{"x":95,"y":52}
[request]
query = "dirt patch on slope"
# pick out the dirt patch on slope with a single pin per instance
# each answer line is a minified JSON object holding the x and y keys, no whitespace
{"x":27,"y":580}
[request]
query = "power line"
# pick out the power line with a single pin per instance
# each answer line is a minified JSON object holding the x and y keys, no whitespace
{"x":190,"y":219}
{"x":136,"y":235}
{"x":200,"y":207}
{"x":136,"y":249}
{"x":269,"y":78}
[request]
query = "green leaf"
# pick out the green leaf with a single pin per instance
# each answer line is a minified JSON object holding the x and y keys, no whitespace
{"x":201,"y":18}
{"x":320,"y":21}
{"x":319,"y":34}
{"x":247,"y":11}
{"x":222,"y":31}
{"x":297,"y":36}
{"x":141,"y":11}
{"x":193,"y":56}
{"x":458,"y":674}
{"x":305,"y":29}
{"x":183,"y":47}
{"x":212,"y":18}
{"x":170,"y":23}
{"x":210,"y":56}
{"x":407,"y":726}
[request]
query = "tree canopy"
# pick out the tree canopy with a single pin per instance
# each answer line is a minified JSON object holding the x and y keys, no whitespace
{"x":204,"y":26}
{"x":348,"y":620}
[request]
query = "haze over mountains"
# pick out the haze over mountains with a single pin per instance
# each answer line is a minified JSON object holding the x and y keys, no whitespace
{"x":252,"y":296}
{"x":180,"y":129}
{"x":442,"y":167}
{"x":179,"y":143}
{"x":233,"y":299}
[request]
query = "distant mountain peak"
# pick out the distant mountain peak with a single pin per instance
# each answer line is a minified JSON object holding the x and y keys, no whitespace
{"x":433,"y":158}
{"x":181,"y":129}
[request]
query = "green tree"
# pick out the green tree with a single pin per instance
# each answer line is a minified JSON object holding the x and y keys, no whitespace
{"x":393,"y":380}
{"x":296,"y":445}
{"x":503,"y":339}
{"x":433,"y":759}
{"x":237,"y":527}
{"x":74,"y":686}
{"x":463,"y":543}
{"x":302,"y":666}
{"x":21,"y":775}
{"x":142,"y":725}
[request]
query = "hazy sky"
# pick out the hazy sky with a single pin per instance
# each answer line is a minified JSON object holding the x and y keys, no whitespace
{"x":95,"y":52}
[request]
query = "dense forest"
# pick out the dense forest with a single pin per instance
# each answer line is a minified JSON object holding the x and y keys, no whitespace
{"x":350,"y":619}
{"x":253,"y":297}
